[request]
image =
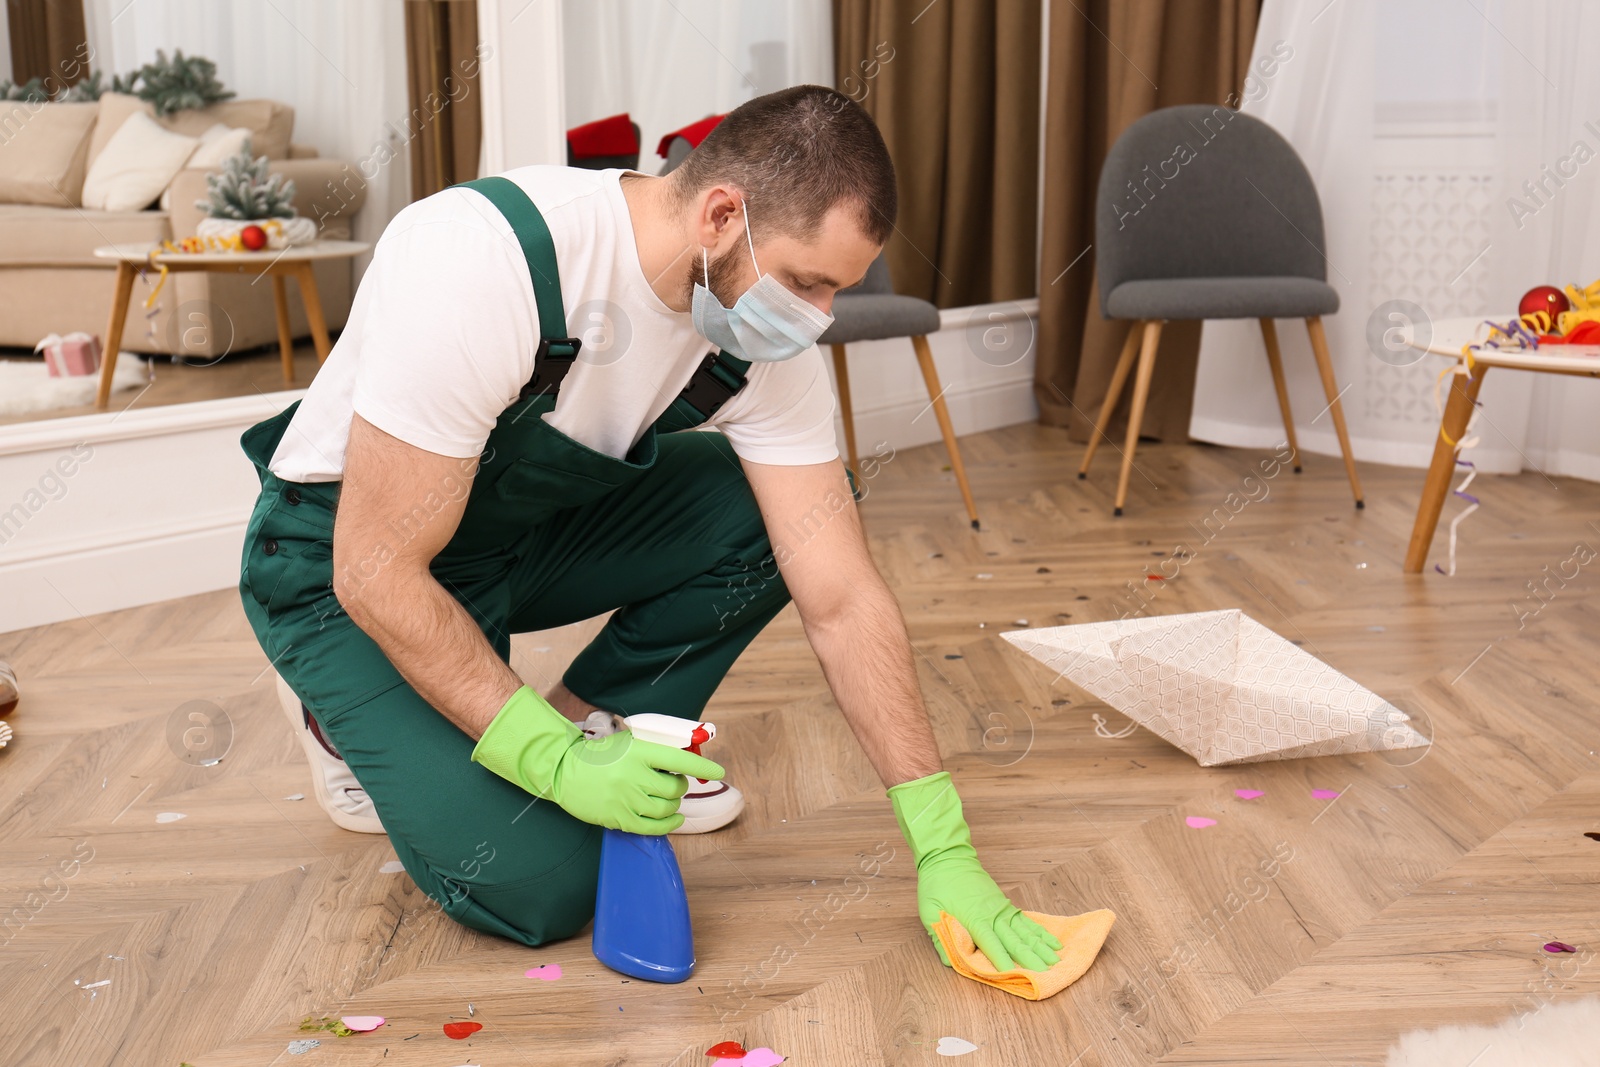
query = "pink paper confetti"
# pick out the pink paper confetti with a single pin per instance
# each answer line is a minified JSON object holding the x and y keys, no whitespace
{"x":1559,"y":946}
{"x":362,"y":1023}
{"x":1249,"y":794}
{"x":1200,"y":822}
{"x":1325,"y":794}
{"x":549,"y":972}
{"x":756,"y":1057}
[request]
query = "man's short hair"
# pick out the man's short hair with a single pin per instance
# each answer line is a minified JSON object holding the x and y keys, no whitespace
{"x":796,"y":154}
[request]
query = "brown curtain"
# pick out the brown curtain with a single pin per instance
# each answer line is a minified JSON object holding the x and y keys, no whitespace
{"x":442,"y":71}
{"x":1110,"y":62}
{"x":48,"y":41}
{"x":954,"y":87}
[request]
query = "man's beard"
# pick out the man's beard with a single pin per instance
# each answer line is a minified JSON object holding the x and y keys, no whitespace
{"x":723,"y":270}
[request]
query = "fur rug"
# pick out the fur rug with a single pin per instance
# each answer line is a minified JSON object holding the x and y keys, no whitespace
{"x":26,"y":385}
{"x":1560,"y":1034}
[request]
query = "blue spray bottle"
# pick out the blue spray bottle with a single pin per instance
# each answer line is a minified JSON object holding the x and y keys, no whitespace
{"x":641,"y":912}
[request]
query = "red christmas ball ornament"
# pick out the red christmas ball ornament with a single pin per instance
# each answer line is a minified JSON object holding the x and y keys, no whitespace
{"x":1545,"y":298}
{"x":254,"y":238}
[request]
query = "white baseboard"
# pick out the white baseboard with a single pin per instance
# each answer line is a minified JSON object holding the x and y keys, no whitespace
{"x":104,"y":512}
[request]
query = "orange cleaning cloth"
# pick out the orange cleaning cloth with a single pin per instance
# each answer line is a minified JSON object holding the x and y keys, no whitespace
{"x":1080,"y":935}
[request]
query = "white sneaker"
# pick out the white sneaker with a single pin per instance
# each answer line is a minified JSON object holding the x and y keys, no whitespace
{"x":709,"y":806}
{"x":332,"y":782}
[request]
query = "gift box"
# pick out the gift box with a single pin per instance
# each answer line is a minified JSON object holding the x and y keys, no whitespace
{"x":72,"y":356}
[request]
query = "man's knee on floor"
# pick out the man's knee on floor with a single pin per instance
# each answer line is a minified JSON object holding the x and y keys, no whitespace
{"x":532,"y":909}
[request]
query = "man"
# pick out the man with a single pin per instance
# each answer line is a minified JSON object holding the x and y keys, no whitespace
{"x":494,"y":476}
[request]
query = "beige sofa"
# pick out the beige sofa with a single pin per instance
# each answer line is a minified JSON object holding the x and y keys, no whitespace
{"x":50,"y":281}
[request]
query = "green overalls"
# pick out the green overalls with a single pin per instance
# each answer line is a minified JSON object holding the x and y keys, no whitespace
{"x":553,"y":532}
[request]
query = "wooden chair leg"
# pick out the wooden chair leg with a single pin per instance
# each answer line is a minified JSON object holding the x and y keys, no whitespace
{"x":1119,"y":378}
{"x":120,"y":298}
{"x":1141,"y":392}
{"x":1319,"y":347}
{"x":1457,"y":413}
{"x":280,"y":302}
{"x":1269,"y":334}
{"x":930,"y":375}
{"x":841,"y":374}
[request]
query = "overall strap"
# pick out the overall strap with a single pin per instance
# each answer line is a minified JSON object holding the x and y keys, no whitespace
{"x":557,"y":351}
{"x":718,"y":378}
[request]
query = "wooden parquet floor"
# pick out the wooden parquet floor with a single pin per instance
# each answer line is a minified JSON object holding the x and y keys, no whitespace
{"x":1295,"y":931}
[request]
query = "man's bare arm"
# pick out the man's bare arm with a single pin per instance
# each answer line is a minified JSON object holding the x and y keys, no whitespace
{"x":851,"y":618}
{"x":382,"y":580}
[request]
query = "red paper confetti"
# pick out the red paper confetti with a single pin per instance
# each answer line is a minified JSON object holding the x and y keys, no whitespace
{"x":461,"y":1030}
{"x":1155,"y":577}
{"x":725,"y":1050}
{"x":1559,"y":946}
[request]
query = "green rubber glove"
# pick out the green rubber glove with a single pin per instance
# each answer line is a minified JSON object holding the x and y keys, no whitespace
{"x":617,"y":781}
{"x":950,"y":878}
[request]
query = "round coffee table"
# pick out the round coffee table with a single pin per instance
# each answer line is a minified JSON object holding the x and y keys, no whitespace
{"x":1448,"y":336}
{"x":277,"y":264}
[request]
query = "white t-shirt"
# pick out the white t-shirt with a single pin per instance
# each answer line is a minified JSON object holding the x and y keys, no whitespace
{"x":443,"y":328}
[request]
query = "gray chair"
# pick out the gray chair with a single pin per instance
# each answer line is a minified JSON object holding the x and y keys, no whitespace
{"x":873,"y":311}
{"x":678,"y":150}
{"x":1207,"y":213}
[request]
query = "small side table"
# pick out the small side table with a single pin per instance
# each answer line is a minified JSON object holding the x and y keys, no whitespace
{"x":1449,"y":335}
{"x":293,"y":262}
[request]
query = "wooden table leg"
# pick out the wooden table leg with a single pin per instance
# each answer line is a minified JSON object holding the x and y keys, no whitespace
{"x":119,"y":314}
{"x":1457,"y":413}
{"x":1141,"y":392}
{"x":841,"y":375}
{"x":1269,"y":334}
{"x":280,"y":301}
{"x":313,"y":303}
{"x":1119,"y":378}
{"x":930,"y":376}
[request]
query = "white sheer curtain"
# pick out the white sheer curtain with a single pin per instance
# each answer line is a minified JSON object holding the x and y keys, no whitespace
{"x":341,"y":66}
{"x":668,"y":65}
{"x":1418,"y":120}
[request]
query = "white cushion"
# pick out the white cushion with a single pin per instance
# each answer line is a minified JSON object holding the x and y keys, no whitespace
{"x":216,"y":145}
{"x":136,"y":164}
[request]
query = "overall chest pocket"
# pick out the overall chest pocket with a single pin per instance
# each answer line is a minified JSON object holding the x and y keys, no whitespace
{"x":544,"y":471}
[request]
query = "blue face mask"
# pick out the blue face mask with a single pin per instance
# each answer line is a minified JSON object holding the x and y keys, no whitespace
{"x":767,"y":324}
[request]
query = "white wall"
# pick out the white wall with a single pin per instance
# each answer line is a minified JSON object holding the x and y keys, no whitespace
{"x":101,"y":512}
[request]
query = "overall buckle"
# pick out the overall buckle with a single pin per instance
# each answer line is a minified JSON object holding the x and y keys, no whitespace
{"x":713,"y":384}
{"x":551,"y":361}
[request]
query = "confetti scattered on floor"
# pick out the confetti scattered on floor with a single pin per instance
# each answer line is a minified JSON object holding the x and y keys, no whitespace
{"x":548,"y":972}
{"x":392,"y":867}
{"x":756,"y":1057}
{"x":362,"y":1023}
{"x":460,"y":1031}
{"x":1200,"y":822}
{"x":1249,"y":794}
{"x":301,"y":1045}
{"x":1554,"y":946}
{"x":170,"y":816}
{"x":955,"y":1046}
{"x":295,"y":796}
{"x":724,"y":1050}
{"x":1325,"y":794}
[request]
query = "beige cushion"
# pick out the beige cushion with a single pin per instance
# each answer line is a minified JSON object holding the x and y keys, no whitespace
{"x":43,"y":148}
{"x":270,"y":123}
{"x":53,"y":236}
{"x":136,"y":164}
{"x":114,"y":111}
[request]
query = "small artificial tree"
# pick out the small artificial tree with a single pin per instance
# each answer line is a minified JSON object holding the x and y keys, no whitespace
{"x":180,"y":83}
{"x":243,"y":190}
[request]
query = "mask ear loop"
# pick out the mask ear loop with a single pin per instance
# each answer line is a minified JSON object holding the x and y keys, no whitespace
{"x":747,"y":239}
